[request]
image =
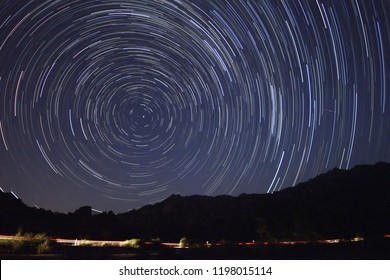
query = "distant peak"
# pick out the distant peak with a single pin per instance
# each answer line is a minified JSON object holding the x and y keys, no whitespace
{"x":174,"y":197}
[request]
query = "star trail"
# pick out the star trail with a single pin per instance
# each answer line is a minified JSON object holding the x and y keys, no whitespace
{"x":117,"y":104}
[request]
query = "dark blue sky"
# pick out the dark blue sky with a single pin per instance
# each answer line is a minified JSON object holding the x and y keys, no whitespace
{"x":117,"y":104}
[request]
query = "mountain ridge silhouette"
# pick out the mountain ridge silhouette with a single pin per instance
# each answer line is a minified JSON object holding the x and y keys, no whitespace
{"x":338,"y":203}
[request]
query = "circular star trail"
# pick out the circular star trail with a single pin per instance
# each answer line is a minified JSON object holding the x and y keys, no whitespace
{"x":116,"y":104}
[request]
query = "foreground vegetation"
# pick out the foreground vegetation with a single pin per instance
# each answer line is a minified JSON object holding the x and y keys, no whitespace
{"x":40,"y":247}
{"x":28,"y":243}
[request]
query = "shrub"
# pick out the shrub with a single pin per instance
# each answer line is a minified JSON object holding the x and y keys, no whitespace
{"x":183,"y":242}
{"x":133,"y":243}
{"x":44,"y":247}
{"x":156,"y":240}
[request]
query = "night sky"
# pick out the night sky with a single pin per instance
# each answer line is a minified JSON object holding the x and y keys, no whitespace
{"x":117,"y":104}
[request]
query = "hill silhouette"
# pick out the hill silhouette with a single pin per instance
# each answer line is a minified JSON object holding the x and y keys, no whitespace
{"x":339,"y":203}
